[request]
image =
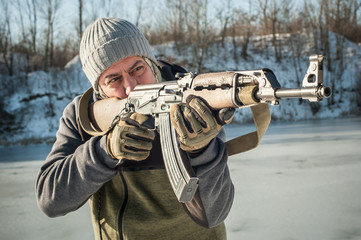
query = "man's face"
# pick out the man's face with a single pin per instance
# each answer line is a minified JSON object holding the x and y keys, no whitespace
{"x":122,"y":77}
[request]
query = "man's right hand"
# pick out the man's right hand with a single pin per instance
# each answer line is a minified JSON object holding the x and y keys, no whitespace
{"x":130,"y":138}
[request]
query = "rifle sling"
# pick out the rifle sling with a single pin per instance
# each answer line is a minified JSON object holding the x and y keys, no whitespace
{"x":261,"y":117}
{"x":84,"y":118}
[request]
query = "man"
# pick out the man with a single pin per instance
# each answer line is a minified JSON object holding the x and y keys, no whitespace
{"x":122,"y":173}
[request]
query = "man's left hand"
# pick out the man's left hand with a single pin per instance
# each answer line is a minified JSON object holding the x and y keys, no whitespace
{"x":196,"y":124}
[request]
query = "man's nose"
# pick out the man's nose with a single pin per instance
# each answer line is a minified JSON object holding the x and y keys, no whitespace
{"x":129,"y":84}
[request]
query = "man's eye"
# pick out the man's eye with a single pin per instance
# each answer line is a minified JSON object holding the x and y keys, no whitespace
{"x":112,"y":80}
{"x":138,"y":68}
{"x":137,"y":71}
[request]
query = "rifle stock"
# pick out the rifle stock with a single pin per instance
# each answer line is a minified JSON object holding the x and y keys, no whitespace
{"x":235,"y":89}
{"x":103,"y":112}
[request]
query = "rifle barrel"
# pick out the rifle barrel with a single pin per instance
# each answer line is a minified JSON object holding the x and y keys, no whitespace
{"x":306,"y":93}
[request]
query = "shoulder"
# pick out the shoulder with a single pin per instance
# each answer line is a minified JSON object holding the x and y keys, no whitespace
{"x":82,"y":100}
{"x":70,"y":114}
{"x":71,"y":109}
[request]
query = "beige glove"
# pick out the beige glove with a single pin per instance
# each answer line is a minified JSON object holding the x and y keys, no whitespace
{"x":130,"y":138}
{"x":196,"y":124}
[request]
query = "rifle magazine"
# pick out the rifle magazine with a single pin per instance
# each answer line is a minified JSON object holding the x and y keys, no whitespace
{"x":179,"y":170}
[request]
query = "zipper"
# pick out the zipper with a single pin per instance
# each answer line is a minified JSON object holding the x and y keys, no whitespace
{"x":122,"y":210}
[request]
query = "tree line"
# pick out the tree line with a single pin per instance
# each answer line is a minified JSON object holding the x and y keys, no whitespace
{"x":30,"y":35}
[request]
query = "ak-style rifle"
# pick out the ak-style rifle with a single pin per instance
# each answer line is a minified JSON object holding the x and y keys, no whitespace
{"x":232,"y":89}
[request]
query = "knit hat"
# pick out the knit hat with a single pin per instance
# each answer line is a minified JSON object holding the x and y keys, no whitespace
{"x":106,"y":41}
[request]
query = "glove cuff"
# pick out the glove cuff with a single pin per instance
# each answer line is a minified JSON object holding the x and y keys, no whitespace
{"x":109,"y":146}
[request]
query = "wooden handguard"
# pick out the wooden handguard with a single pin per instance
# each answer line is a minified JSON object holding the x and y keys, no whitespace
{"x":216,"y":88}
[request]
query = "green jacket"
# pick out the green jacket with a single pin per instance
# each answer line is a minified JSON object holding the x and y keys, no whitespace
{"x":131,"y":210}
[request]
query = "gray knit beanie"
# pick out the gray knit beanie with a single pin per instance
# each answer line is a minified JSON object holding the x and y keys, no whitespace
{"x":108,"y":40}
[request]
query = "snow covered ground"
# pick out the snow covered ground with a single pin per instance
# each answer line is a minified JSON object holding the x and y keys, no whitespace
{"x":302,"y":183}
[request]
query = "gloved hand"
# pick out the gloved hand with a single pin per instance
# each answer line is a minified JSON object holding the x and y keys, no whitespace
{"x":196,"y":124}
{"x":130,"y":138}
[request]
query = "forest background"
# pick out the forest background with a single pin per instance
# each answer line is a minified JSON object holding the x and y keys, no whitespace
{"x":39,"y":42}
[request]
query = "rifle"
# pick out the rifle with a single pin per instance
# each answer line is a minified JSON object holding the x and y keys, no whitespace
{"x":233,"y":89}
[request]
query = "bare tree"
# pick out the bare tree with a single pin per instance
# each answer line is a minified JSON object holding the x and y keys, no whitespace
{"x":310,"y":16}
{"x":199,"y":33}
{"x":52,"y":8}
{"x":263,"y":9}
{"x":27,"y":14}
{"x":33,"y":18}
{"x":339,"y":22}
{"x":6,"y":42}
{"x":270,"y":12}
{"x":176,"y":22}
{"x":234,"y":28}
{"x":297,"y":39}
{"x":342,"y":15}
{"x":274,"y":16}
{"x":17,"y":5}
{"x":139,"y":6}
{"x":317,"y":18}
{"x":225,"y":16}
{"x":80,"y":19}
{"x":353,"y":31}
{"x":241,"y":32}
{"x":343,"y":21}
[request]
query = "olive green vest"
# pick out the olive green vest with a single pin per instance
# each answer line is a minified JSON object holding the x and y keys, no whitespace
{"x":141,"y":205}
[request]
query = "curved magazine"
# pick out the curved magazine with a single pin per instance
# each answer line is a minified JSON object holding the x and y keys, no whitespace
{"x":179,"y":170}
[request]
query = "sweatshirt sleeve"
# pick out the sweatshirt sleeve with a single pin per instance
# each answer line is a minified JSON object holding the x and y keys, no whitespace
{"x":73,"y":170}
{"x":214,"y":197}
